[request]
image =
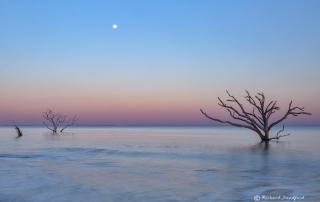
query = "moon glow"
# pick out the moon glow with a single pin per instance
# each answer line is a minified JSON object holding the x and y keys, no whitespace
{"x":114,"y":26}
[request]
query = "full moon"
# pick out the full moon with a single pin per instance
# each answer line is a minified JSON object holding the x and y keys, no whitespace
{"x":114,"y":26}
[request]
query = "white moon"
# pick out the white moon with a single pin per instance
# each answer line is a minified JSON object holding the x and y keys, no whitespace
{"x":114,"y":26}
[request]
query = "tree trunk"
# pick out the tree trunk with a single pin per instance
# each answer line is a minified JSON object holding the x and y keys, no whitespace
{"x":264,"y":139}
{"x":55,"y":129}
{"x":266,"y":135}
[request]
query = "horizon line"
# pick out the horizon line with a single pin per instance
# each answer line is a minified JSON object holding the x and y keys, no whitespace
{"x":150,"y":125}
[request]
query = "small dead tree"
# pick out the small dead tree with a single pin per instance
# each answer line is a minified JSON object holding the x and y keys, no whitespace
{"x":70,"y":122}
{"x":17,"y":129}
{"x":55,"y":119}
{"x":259,"y":122}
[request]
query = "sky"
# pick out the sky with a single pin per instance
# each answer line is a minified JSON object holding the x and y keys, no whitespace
{"x":165,"y":61}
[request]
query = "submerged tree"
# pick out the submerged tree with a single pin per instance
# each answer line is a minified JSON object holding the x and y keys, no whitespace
{"x":259,"y":122}
{"x":56,"y":120}
{"x":17,"y":129}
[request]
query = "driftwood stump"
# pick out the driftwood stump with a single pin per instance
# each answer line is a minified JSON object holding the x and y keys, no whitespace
{"x":17,"y":129}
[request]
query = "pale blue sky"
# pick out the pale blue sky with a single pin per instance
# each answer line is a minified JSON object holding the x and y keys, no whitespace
{"x":182,"y":50}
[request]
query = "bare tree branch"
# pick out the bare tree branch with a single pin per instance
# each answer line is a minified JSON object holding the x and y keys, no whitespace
{"x":73,"y":122}
{"x":234,"y":124}
{"x":251,"y":101}
{"x":290,"y":112}
{"x":47,"y":126}
{"x":253,"y":122}
{"x":258,"y":118}
{"x":278,"y":137}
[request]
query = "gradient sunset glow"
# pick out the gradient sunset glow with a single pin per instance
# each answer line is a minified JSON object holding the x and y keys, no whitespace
{"x":164,"y":62}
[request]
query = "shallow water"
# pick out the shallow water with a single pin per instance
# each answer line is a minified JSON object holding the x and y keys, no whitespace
{"x":157,"y":164}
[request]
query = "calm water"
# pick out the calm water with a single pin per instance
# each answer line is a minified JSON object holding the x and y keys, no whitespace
{"x":157,"y":164}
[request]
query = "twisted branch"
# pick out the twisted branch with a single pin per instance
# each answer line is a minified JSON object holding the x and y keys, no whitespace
{"x":73,"y":122}
{"x":290,"y":112}
{"x":278,"y":136}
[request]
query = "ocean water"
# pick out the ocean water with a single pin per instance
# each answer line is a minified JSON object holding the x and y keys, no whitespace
{"x":158,"y":164}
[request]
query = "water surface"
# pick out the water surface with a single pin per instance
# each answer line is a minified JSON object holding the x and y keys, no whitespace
{"x":157,"y":164}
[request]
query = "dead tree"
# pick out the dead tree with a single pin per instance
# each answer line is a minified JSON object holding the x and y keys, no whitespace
{"x":17,"y":129}
{"x":70,"y":122}
{"x":56,"y":120}
{"x":259,"y":122}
